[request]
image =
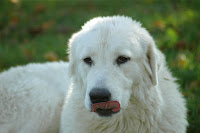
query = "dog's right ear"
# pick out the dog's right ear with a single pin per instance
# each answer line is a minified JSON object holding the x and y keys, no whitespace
{"x":71,"y":69}
{"x":71,"y":53}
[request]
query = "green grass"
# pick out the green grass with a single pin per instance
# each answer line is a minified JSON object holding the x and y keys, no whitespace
{"x":38,"y":31}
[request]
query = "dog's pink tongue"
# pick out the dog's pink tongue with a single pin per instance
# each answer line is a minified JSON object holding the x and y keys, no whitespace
{"x":113,"y":105}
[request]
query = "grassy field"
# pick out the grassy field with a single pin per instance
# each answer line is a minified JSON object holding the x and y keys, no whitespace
{"x":36,"y":31}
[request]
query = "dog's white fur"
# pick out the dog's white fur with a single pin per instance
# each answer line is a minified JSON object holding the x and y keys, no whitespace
{"x":149,"y":97}
{"x":31,"y":97}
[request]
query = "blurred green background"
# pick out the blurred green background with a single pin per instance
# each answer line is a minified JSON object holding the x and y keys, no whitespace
{"x":38,"y":31}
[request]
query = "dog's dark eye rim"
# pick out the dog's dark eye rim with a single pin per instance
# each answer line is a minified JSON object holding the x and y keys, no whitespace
{"x":122,"y":59}
{"x":88,"y":61}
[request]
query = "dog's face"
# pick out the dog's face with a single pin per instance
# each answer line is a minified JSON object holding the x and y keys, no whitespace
{"x":108,"y":57}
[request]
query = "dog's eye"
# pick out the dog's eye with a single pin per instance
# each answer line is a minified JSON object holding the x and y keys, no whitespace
{"x":88,"y":61}
{"x":122,"y":59}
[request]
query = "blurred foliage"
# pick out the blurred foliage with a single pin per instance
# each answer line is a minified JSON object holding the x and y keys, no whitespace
{"x":37,"y":31}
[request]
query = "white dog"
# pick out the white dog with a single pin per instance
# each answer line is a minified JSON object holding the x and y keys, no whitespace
{"x":31,"y":98}
{"x":120,"y":82}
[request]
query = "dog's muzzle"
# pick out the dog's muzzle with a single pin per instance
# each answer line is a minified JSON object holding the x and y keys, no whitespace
{"x":101,"y":104}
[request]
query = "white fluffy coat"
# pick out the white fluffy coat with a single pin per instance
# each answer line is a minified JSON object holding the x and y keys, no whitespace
{"x":148,"y":94}
{"x":31,"y":98}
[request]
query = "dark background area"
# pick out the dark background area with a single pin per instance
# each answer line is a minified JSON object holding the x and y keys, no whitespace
{"x":38,"y":31}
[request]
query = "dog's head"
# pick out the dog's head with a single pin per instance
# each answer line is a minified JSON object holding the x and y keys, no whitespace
{"x":109,"y":56}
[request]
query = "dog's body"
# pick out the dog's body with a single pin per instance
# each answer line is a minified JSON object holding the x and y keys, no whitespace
{"x":31,"y":98}
{"x":111,"y":56}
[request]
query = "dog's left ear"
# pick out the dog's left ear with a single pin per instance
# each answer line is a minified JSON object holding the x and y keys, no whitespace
{"x":153,"y":62}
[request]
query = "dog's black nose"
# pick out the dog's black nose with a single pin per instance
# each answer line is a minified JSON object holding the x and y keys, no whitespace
{"x":99,"y":95}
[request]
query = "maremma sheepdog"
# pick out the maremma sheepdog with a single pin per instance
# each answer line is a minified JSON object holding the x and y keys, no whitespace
{"x":116,"y":81}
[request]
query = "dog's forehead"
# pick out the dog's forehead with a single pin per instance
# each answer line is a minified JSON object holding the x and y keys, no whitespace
{"x":112,"y":35}
{"x":112,"y":41}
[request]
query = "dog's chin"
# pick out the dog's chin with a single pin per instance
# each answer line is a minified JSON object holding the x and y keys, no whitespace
{"x":105,"y":112}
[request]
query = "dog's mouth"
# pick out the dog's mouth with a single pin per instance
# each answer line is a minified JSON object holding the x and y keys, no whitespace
{"x":106,"y":108}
